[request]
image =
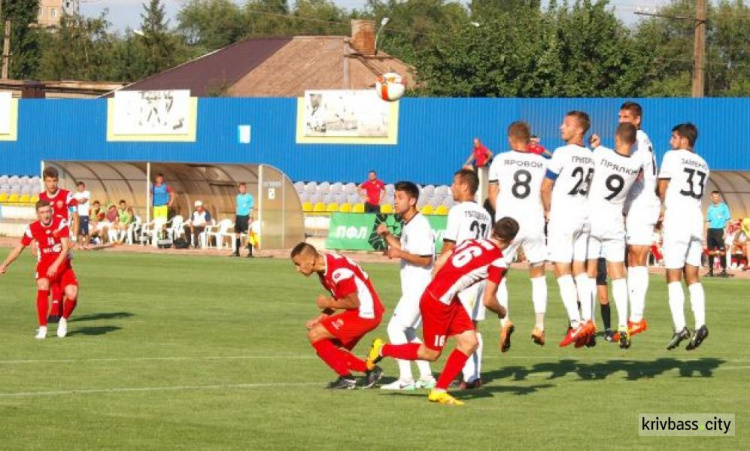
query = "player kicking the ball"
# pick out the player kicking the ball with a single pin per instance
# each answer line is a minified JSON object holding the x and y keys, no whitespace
{"x":334,"y":335}
{"x":615,"y":173}
{"x":443,"y":314}
{"x":53,"y":267}
{"x":682,"y":182}
{"x":515,"y":182}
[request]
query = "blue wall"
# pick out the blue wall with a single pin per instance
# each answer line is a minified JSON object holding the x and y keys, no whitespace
{"x":434,"y":138}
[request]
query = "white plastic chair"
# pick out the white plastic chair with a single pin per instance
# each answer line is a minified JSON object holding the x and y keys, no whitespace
{"x":299,"y":186}
{"x":350,"y":188}
{"x":390,"y":189}
{"x":311,"y":187}
{"x":337,"y":187}
{"x":224,"y":229}
{"x":152,"y":230}
{"x":133,"y":229}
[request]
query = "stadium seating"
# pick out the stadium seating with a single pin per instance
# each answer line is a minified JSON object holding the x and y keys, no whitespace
{"x":386,"y":209}
{"x":358,"y":208}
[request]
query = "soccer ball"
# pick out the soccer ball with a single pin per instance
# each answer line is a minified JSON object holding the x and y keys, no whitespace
{"x":390,"y":86}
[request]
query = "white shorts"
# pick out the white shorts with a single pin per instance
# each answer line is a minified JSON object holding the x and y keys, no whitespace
{"x":683,"y":242}
{"x":611,"y":248}
{"x":406,"y":312}
{"x":640,"y":224}
{"x":533,"y":247}
{"x":472,"y":300}
{"x":568,"y":244}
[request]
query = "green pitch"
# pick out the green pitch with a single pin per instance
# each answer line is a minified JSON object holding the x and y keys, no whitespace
{"x":173,"y":352}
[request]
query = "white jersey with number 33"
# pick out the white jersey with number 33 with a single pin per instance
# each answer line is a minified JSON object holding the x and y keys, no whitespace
{"x":688,"y":174}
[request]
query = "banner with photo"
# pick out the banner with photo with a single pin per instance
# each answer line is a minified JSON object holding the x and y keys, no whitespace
{"x":8,"y":117}
{"x":345,"y":117}
{"x":168,"y":115}
{"x":357,"y":231}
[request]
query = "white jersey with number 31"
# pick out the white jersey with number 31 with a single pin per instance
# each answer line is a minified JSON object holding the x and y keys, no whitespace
{"x":467,"y":221}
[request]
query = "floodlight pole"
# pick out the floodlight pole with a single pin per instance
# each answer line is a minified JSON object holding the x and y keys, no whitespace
{"x":383,"y":23}
{"x":148,"y":192}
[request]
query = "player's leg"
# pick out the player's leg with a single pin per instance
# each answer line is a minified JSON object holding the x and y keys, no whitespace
{"x":580,"y":274}
{"x":536,"y":253}
{"x":640,"y":237}
{"x":616,"y":271}
{"x":426,"y":379}
{"x":42,"y":304}
{"x":722,"y":253}
{"x":404,"y":317}
{"x":471,"y":300}
{"x":461,"y":327}
{"x":603,"y":295}
{"x":675,"y":255}
{"x":506,"y":325}
{"x":561,"y":255}
{"x":55,"y":311}
{"x":697,"y":295}
{"x":70,"y":300}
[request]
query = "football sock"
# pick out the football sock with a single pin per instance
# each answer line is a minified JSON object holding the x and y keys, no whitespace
{"x":42,"y":306}
{"x":353,"y":362}
{"x":332,"y":356}
{"x":406,"y":351}
{"x":453,"y":366}
{"x":698,"y":303}
{"x":723,"y":259}
{"x":397,"y":336}
{"x":584,"y":295}
{"x":539,"y":299}
{"x":606,"y":316}
{"x":237,"y":244}
{"x":568,"y":294}
{"x":676,"y":304}
{"x":639,"y":275}
{"x":68,"y":307}
{"x":472,"y":368}
{"x":56,"y":296}
{"x":502,"y":298}
{"x":620,"y":295}
{"x":423,"y":365}
{"x":711,"y":263}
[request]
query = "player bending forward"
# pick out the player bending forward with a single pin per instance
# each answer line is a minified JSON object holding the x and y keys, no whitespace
{"x":53,"y":267}
{"x":444,"y":316}
{"x":334,"y":335}
{"x":682,"y":182}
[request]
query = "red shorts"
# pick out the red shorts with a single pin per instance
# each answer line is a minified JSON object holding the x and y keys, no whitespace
{"x":440,"y":321}
{"x":64,"y":276}
{"x":348,"y":327}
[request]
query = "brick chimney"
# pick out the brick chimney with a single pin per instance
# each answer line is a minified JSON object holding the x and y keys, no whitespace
{"x":363,"y":37}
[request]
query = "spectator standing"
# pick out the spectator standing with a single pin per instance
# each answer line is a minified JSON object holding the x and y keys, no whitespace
{"x":162,"y":197}
{"x":243,"y":219}
{"x":82,"y":197}
{"x":717,"y":217}
{"x":373,"y":191}
{"x":198,"y":222}
{"x":480,"y":155}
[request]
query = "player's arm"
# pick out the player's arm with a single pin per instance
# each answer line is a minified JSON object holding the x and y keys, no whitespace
{"x":448,"y":246}
{"x":441,"y":261}
{"x":493,"y":190}
{"x":171,"y":196}
{"x":65,"y":243}
{"x":495,"y":275}
{"x":546,"y":193}
{"x":348,"y":302}
{"x":14,"y":253}
{"x":75,"y":223}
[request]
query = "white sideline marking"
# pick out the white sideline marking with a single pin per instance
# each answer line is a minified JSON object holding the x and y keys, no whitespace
{"x":135,"y":359}
{"x":149,"y":389}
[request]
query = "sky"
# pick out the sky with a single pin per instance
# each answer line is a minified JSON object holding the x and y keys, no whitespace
{"x":127,"y":13}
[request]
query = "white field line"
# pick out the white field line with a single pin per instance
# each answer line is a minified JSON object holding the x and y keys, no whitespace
{"x":152,"y":389}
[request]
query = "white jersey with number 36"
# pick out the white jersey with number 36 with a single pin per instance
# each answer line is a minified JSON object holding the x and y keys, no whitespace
{"x":519,"y":177}
{"x":688,"y":175}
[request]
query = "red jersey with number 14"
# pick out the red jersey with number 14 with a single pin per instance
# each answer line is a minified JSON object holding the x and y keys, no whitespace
{"x":61,"y":202}
{"x":49,"y":238}
{"x":343,"y":277}
{"x":471,"y":262}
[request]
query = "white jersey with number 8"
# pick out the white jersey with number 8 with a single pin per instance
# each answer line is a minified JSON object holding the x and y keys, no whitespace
{"x":519,"y":177}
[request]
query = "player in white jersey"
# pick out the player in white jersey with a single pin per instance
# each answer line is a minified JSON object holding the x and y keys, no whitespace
{"x":642,"y":212}
{"x":563,"y":193}
{"x":615,"y":173}
{"x":416,"y":249}
{"x":468,"y":221}
{"x":515,"y":183}
{"x":682,"y":182}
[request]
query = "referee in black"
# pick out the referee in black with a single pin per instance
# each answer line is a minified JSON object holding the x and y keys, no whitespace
{"x":245,"y":203}
{"x":717,"y":218}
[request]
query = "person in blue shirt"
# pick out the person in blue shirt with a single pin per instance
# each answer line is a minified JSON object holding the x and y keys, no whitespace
{"x":243,"y":220}
{"x":717,"y":218}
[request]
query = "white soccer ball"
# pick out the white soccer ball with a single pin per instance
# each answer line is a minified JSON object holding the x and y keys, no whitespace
{"x":390,"y":86}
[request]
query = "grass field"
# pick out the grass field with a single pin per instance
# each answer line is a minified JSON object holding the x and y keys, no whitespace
{"x":169,"y":352}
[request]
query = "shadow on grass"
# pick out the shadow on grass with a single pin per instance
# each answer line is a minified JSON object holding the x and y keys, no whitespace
{"x":104,"y":315}
{"x":633,"y":369}
{"x":93,"y":331}
{"x":483,"y":392}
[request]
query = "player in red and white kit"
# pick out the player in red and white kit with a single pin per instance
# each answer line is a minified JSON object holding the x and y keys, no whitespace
{"x":334,"y":335}
{"x":61,"y":201}
{"x":53,"y":267}
{"x":444,"y":316}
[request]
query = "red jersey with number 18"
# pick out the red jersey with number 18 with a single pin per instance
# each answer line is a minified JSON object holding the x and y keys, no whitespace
{"x":343,"y":277}
{"x":49,"y":237}
{"x":471,"y":262}
{"x":61,"y":202}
